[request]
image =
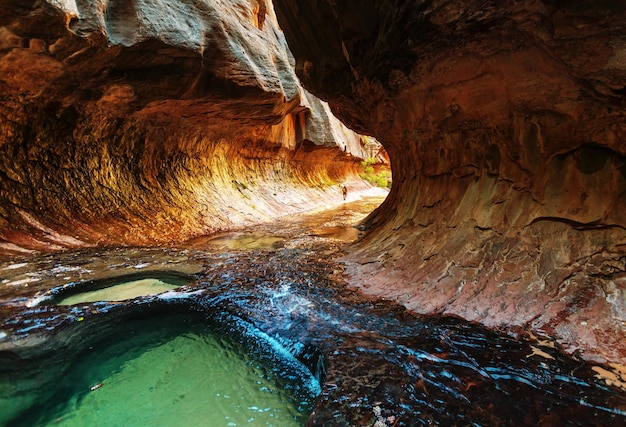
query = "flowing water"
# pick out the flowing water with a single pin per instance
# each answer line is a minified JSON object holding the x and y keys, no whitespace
{"x":280,"y":313}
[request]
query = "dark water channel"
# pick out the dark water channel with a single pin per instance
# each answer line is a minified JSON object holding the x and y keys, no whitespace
{"x":274,"y":293}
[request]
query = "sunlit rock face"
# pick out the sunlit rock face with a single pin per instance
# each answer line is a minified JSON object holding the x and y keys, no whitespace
{"x":505,"y":126}
{"x":135,"y":122}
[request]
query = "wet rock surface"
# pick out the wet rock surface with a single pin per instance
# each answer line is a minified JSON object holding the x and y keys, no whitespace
{"x":505,"y":128}
{"x":379,"y":363}
{"x":140,"y":125}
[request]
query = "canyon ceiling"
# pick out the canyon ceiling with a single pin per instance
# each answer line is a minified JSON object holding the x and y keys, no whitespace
{"x":145,"y":122}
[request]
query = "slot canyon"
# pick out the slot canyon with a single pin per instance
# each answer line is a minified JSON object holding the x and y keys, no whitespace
{"x":147,"y":124}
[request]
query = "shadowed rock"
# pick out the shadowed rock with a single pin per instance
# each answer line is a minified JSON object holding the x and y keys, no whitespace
{"x":505,"y":127}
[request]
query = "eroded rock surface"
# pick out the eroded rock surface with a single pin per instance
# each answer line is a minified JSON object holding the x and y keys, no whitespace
{"x":505,"y":126}
{"x":134,"y":122}
{"x":379,"y":364}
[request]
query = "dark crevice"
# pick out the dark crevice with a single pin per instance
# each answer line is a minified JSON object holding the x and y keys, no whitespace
{"x":594,"y":225}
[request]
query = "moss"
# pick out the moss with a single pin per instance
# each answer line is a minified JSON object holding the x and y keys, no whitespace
{"x":380,"y":179}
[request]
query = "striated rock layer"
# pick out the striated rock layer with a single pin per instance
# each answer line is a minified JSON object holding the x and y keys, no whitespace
{"x":506,"y":129}
{"x":133,"y":122}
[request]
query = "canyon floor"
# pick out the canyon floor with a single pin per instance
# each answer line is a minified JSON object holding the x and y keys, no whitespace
{"x":374,"y":360}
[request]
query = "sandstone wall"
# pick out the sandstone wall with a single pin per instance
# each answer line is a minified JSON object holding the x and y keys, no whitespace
{"x":505,"y":126}
{"x":136,"y":122}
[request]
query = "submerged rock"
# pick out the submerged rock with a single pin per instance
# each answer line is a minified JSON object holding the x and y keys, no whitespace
{"x":141,"y":123}
{"x":374,"y":361}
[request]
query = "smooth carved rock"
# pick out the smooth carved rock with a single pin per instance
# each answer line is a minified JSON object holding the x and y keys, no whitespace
{"x":505,"y":127}
{"x":142,"y":122}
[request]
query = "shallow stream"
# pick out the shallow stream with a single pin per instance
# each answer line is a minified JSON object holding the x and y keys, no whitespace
{"x":271,"y":300}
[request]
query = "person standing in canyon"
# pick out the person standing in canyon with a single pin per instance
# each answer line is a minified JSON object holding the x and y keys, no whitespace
{"x":344,"y":191}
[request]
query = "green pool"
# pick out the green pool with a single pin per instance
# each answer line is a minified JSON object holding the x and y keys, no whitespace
{"x":167,"y":372}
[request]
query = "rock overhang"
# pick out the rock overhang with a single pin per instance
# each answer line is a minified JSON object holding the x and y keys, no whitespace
{"x":505,"y":127}
{"x":137,"y":122}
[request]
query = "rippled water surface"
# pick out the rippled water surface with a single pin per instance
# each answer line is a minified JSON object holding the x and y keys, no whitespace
{"x":376,"y":362}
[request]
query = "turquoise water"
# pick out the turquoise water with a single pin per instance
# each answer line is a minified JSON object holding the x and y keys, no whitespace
{"x":177,"y":374}
{"x":121,"y":292}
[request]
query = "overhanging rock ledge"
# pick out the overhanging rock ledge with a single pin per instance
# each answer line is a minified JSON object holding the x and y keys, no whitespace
{"x":505,"y":127}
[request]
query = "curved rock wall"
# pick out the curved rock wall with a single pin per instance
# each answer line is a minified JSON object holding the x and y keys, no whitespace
{"x":135,"y":122}
{"x":505,"y":127}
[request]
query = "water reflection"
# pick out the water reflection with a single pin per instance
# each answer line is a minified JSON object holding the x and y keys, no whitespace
{"x":116,"y":288}
{"x":235,"y":241}
{"x":381,"y":364}
{"x":121,"y":292}
{"x":342,"y":233}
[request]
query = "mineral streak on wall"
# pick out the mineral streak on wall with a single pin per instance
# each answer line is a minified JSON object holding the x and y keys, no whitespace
{"x":134,"y":122}
{"x":505,"y":126}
